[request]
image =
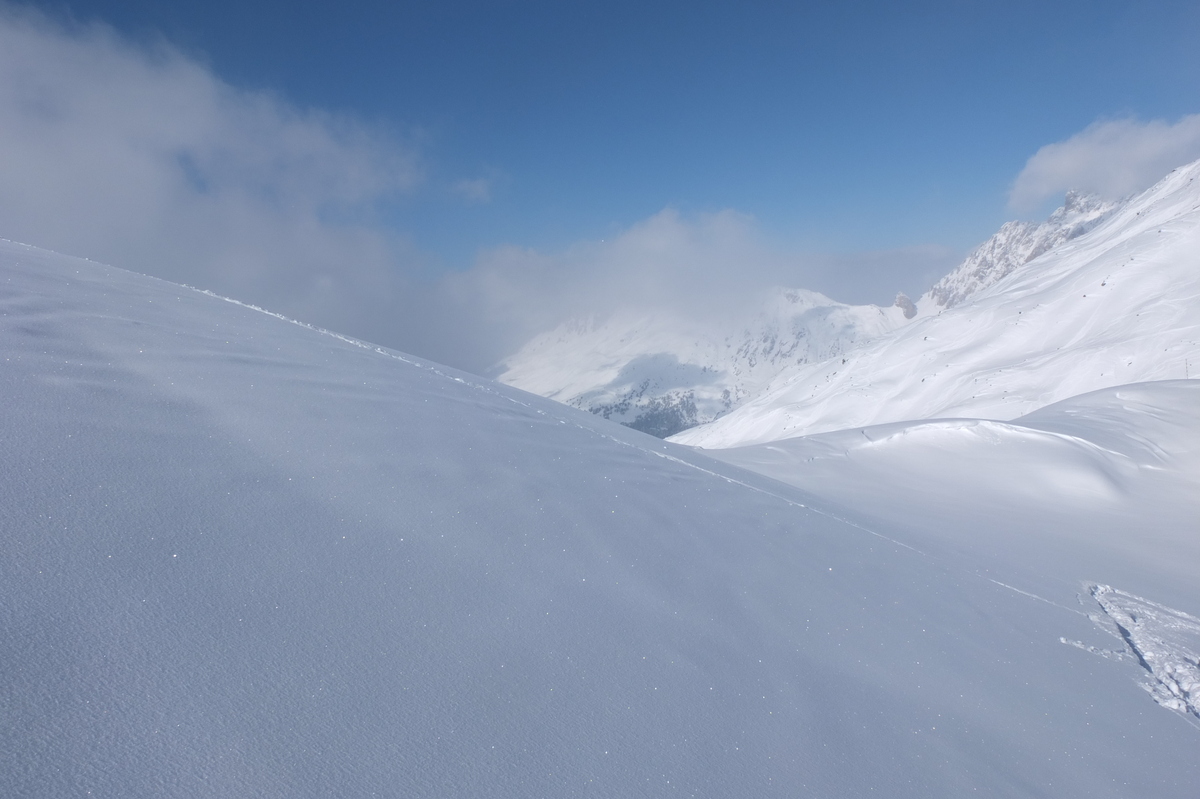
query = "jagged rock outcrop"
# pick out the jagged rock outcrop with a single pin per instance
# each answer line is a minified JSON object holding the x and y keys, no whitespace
{"x":1018,"y":243}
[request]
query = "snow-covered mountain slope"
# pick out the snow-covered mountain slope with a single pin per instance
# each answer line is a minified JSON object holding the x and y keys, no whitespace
{"x":662,"y":372}
{"x":243,"y":557}
{"x":1016,"y":244}
{"x":1118,"y":304}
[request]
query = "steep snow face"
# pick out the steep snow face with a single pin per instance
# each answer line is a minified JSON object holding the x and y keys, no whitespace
{"x":1016,"y":244}
{"x":661,"y":372}
{"x":243,"y":557}
{"x":1118,"y":304}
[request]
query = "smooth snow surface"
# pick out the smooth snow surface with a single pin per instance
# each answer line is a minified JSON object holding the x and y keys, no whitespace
{"x":1108,"y":480}
{"x":243,"y":557}
{"x":1117,"y":304}
{"x":1111,"y":477}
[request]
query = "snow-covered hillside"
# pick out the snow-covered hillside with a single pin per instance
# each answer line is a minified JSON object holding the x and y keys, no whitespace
{"x":1118,"y":304}
{"x":662,"y":372}
{"x":243,"y":557}
{"x":1119,"y":466}
{"x":1110,"y":477}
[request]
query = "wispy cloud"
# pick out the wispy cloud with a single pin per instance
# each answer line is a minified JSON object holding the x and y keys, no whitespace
{"x":142,"y":157}
{"x":478,"y":190}
{"x":1111,"y":158}
{"x":700,"y":265}
{"x":666,"y":261}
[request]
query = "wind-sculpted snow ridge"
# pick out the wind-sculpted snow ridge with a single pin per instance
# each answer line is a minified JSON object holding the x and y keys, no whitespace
{"x":245,"y":557}
{"x":1016,"y":244}
{"x":662,"y":372}
{"x":1118,"y":304}
{"x":1164,"y":641}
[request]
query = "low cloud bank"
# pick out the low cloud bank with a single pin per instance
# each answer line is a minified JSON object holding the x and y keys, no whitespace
{"x":1111,"y":158}
{"x":703,"y":265}
{"x":143,"y":158}
{"x":140,"y":156}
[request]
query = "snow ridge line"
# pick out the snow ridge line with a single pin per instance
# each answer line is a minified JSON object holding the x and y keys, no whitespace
{"x":381,"y":351}
{"x":480,"y":387}
{"x":360,"y":344}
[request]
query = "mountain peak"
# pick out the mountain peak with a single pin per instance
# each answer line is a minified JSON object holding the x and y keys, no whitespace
{"x":662,"y":373}
{"x":1018,"y":243}
{"x":1099,"y":295}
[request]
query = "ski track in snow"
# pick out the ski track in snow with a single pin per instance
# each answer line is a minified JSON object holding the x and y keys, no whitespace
{"x":1164,"y":641}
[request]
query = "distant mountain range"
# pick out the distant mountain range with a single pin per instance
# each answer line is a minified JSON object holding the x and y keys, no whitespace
{"x":1106,"y":296}
{"x":1010,"y":327}
{"x":662,"y":372}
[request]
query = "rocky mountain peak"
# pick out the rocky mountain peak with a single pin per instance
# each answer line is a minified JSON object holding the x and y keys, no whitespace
{"x":1018,"y":243}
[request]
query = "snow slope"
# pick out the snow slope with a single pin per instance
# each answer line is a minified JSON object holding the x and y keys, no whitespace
{"x":661,"y":372}
{"x":1105,"y":481}
{"x":1118,"y":304}
{"x":1124,"y":460}
{"x":243,"y":557}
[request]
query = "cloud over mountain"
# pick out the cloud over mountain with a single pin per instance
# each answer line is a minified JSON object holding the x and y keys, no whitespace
{"x":1111,"y":158}
{"x":142,"y":156}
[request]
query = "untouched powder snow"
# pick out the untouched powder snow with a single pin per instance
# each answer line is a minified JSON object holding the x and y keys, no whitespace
{"x":1118,"y":304}
{"x":1114,"y":473}
{"x":243,"y":557}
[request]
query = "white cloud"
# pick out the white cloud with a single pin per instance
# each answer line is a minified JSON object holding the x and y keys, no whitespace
{"x":142,"y":157}
{"x":1111,"y":158}
{"x":706,"y":263}
{"x":478,"y":190}
{"x":700,"y":265}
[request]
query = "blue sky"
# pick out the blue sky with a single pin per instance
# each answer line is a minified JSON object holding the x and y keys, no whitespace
{"x":833,"y":129}
{"x":848,"y":125}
